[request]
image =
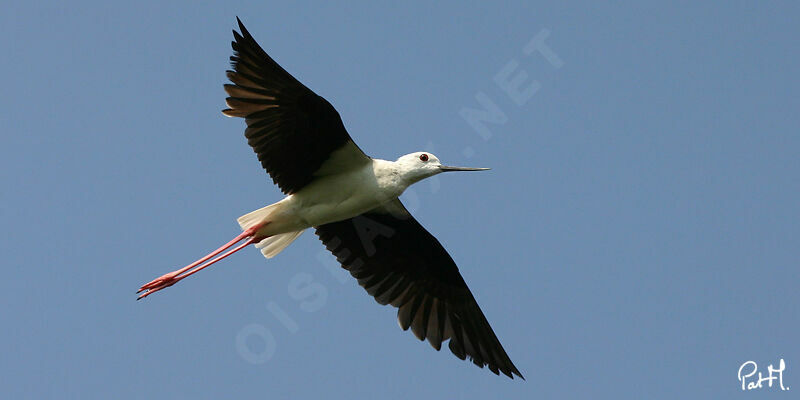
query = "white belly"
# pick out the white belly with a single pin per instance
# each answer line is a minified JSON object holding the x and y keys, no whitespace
{"x":339,"y":197}
{"x":333,"y":198}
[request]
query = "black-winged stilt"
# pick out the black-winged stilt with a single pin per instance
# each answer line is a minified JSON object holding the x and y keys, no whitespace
{"x":351,"y":200}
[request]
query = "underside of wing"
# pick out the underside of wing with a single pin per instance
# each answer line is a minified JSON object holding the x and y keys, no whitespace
{"x":293,"y":131}
{"x":400,"y":263}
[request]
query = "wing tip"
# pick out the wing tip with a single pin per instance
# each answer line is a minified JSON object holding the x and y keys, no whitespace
{"x":241,"y":26}
{"x":244,"y":35}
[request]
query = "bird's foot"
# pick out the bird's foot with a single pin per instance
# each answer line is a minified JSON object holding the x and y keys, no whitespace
{"x":162,"y":282}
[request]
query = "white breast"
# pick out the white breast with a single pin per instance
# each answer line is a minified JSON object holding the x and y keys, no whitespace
{"x":341,"y":196}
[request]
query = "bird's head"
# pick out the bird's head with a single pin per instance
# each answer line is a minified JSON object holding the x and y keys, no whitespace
{"x":420,"y":165}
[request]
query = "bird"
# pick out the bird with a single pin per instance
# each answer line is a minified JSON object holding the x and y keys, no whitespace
{"x":351,"y":200}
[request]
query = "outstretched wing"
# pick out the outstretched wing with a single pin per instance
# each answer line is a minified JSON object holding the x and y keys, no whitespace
{"x":293,"y":131}
{"x":400,"y":263}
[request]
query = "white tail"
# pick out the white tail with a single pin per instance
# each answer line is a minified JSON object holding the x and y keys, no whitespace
{"x":253,"y":218}
{"x":271,"y":246}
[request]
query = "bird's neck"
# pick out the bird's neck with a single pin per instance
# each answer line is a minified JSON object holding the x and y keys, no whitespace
{"x":391,"y":176}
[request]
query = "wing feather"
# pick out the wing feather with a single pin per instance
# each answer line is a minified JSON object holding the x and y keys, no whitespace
{"x":293,"y":131}
{"x":410,"y":270}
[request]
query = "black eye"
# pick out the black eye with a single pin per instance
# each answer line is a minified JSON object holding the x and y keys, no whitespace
{"x":423,"y":157}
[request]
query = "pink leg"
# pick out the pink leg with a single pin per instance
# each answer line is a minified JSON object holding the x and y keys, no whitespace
{"x":174,"y":277}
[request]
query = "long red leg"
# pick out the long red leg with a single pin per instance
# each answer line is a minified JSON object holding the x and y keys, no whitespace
{"x":220,"y":258}
{"x":174,"y":277}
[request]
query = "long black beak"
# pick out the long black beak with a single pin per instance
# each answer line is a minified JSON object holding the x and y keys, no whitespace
{"x":446,"y":168}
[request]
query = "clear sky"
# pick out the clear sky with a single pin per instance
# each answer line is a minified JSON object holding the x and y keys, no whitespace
{"x":637,"y":237}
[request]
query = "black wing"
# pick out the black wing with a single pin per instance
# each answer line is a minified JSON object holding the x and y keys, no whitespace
{"x":400,"y":263}
{"x":292,"y":130}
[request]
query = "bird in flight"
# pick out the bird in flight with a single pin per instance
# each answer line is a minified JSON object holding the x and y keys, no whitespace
{"x":351,"y":200}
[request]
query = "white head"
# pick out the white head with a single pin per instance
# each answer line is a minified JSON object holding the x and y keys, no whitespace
{"x":420,"y":165}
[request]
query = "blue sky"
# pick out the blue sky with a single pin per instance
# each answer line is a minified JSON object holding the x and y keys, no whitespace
{"x":637,"y":236}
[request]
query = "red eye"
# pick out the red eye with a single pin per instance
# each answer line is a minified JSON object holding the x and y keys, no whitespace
{"x":423,"y":157}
